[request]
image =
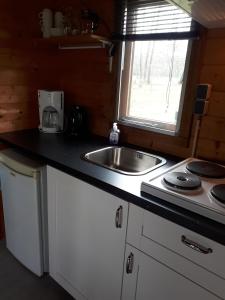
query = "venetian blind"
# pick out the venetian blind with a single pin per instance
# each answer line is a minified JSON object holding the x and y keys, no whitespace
{"x":153,"y":19}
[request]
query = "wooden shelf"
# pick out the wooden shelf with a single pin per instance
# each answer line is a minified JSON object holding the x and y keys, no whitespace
{"x":77,"y":42}
{"x":83,"y":41}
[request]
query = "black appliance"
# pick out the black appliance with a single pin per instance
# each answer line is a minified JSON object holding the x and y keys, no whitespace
{"x":77,"y":122}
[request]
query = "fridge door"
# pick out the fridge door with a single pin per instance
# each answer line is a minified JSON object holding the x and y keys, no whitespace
{"x":21,"y":205}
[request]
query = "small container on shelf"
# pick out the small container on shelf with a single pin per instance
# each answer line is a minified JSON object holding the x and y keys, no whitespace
{"x":89,"y":21}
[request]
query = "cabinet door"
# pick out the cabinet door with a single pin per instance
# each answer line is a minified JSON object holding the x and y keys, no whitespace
{"x":149,"y":279}
{"x":85,"y":243}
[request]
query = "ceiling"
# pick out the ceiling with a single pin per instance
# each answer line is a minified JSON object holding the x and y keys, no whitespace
{"x":209,"y":13}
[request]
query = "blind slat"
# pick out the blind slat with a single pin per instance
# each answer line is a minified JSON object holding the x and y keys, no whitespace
{"x":162,"y":12}
{"x":157,"y":36}
{"x":149,"y":17}
{"x":147,"y":21}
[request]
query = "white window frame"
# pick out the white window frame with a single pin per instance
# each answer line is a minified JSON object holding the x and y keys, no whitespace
{"x":153,"y":126}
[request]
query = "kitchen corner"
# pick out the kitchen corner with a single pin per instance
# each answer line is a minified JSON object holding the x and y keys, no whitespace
{"x":112,"y":150}
{"x":87,"y":202}
{"x":61,"y":153}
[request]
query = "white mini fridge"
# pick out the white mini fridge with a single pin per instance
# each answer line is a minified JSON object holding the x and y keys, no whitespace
{"x":24,"y":196}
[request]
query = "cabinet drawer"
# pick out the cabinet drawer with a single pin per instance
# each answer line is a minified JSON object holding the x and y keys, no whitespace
{"x":147,"y":278}
{"x":144,"y":225}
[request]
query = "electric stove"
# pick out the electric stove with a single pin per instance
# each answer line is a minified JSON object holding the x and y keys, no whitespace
{"x":194,"y":184}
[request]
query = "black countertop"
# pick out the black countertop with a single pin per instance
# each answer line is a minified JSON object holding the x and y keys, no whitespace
{"x":65,"y":154}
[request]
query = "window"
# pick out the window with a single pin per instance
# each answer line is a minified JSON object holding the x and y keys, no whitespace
{"x":155,"y":53}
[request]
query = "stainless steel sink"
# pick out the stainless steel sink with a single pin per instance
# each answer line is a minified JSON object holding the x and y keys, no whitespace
{"x":125,"y":160}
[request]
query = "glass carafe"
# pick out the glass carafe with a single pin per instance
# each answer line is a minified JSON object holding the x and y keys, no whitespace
{"x":50,"y":118}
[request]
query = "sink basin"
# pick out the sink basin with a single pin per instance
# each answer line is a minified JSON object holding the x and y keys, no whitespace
{"x":125,"y":160}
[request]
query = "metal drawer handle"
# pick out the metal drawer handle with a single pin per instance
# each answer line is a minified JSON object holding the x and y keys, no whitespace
{"x":119,"y":217}
{"x":130,"y":263}
{"x":195,"y":246}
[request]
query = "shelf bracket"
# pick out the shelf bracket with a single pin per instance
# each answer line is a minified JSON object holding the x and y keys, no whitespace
{"x":103,"y":44}
{"x":111,"y":54}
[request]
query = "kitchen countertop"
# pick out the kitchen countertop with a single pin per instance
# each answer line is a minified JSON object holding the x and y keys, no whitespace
{"x":65,"y":154}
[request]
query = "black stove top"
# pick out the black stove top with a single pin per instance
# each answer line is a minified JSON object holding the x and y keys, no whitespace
{"x":182,"y":181}
{"x":206,"y":169}
{"x":218,"y":192}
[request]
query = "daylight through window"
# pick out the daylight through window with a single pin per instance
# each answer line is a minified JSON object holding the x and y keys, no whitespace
{"x":154,"y":65}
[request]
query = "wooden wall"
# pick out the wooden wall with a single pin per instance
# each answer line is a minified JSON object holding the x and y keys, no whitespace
{"x":212,"y":135}
{"x":23,"y":67}
{"x":84,"y":76}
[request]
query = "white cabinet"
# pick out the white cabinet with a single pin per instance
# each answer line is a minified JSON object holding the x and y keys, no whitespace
{"x":163,"y":261}
{"x":150,"y":279}
{"x":87,"y":230}
{"x":169,"y":261}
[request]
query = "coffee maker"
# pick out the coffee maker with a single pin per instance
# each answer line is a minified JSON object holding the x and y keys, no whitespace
{"x":51,"y":111}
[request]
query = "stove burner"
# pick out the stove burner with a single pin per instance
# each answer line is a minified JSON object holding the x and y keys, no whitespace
{"x":182,"y":181}
{"x":218,"y":192}
{"x":206,"y":169}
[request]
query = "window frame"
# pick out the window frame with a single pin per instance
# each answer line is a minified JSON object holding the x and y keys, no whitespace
{"x":124,"y":73}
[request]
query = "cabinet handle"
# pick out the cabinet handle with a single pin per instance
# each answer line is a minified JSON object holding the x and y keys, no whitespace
{"x":119,"y":217}
{"x":195,"y":246}
{"x":130,"y":263}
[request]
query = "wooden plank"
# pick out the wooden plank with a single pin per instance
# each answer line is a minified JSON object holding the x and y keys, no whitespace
{"x":87,"y":88}
{"x":83,"y":72}
{"x":14,"y":125}
{"x":216,"y":33}
{"x":211,"y":149}
{"x":216,"y":106}
{"x":39,"y":77}
{"x":213,"y":128}
{"x":17,"y":111}
{"x":214,"y":52}
{"x":23,"y":59}
{"x":214,"y":75}
{"x":19,"y":77}
{"x":17,"y":93}
{"x":150,"y":138}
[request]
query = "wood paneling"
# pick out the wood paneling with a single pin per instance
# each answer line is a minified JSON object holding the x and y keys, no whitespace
{"x":211,"y":149}
{"x":211,"y":144}
{"x":84,"y":76}
{"x":213,"y":128}
{"x":216,"y":47}
{"x":216,"y":105}
{"x":215,"y":75}
{"x":24,"y":67}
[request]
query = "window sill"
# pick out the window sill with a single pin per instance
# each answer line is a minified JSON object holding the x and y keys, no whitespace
{"x":146,"y":127}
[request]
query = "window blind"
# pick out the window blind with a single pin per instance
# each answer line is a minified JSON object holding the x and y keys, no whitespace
{"x":153,"y":19}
